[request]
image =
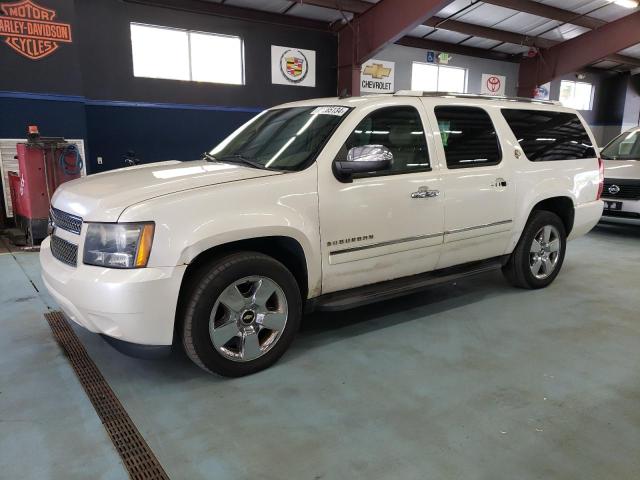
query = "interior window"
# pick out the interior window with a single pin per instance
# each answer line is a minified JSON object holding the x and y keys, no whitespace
{"x":468,"y":137}
{"x":176,"y":54}
{"x":545,"y":135}
{"x":400,"y":130}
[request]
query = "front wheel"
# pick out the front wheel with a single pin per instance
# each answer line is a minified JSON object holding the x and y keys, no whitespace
{"x":538,"y":256}
{"x":242,"y":312}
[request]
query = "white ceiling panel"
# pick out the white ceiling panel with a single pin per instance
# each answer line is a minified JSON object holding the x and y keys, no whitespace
{"x":612,"y":12}
{"x":605,"y":64}
{"x":276,"y":6}
{"x":454,"y":7}
{"x":420,"y":31}
{"x":486,"y":15}
{"x":564,"y":32}
{"x":578,"y":6}
{"x":632,"y":51}
{"x":446,"y":36}
{"x":521,"y":23}
{"x":548,"y":25}
{"x":316,"y":13}
{"x":479,"y":42}
{"x":510,"y":48}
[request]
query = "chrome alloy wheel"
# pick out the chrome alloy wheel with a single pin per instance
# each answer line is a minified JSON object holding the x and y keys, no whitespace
{"x":248,"y":318}
{"x":545,"y":252}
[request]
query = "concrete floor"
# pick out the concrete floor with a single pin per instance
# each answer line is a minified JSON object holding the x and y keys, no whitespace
{"x":475,"y":380}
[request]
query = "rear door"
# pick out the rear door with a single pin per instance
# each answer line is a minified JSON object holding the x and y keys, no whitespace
{"x":478,"y":180}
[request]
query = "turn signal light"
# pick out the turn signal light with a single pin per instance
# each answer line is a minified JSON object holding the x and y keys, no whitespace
{"x":144,"y":247}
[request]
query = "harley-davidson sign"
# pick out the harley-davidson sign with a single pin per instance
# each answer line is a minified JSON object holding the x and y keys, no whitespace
{"x":30,"y":30}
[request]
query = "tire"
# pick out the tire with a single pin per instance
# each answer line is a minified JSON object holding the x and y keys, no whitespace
{"x":238,"y":287}
{"x":548,"y":259}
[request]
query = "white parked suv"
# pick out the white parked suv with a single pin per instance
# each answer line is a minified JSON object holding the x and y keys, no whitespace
{"x":621,"y":191}
{"x":319,"y":205}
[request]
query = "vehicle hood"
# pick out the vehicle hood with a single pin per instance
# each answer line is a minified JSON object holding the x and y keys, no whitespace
{"x":622,"y":169}
{"x":104,"y":196}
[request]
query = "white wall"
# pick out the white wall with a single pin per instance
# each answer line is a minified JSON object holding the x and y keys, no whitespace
{"x":405,"y":56}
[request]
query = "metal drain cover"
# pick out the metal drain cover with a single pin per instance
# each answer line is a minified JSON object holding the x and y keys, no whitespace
{"x":137,"y":457}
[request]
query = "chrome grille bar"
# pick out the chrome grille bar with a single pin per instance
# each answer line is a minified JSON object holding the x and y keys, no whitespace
{"x":66,"y":221}
{"x":64,"y":251}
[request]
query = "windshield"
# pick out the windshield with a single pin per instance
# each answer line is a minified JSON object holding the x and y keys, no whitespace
{"x":281,"y":139}
{"x":623,"y":147}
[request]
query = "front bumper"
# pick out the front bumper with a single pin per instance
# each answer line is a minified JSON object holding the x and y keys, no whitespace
{"x":630,"y":208}
{"x":134,"y":307}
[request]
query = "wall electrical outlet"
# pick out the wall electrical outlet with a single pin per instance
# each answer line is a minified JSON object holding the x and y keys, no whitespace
{"x":99,"y":159}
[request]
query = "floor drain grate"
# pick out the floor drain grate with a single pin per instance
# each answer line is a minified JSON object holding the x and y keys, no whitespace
{"x":136,"y":455}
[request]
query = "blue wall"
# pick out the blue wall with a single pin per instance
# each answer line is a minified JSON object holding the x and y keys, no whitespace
{"x":156,"y":133}
{"x":54,"y":117}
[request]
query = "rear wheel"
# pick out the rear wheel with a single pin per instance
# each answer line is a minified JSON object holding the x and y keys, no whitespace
{"x":242,"y":313}
{"x":538,"y":257}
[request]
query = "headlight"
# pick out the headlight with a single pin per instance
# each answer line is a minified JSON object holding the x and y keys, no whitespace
{"x":118,"y":245}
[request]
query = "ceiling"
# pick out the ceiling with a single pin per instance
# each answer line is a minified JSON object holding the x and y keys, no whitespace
{"x":484,"y":27}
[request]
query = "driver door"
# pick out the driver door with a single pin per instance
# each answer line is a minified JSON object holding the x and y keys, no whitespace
{"x":381,"y":225}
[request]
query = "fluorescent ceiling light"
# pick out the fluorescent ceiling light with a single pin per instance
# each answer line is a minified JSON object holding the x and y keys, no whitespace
{"x":626,"y":3}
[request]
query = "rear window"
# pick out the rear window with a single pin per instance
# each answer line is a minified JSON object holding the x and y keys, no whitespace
{"x":545,"y":135}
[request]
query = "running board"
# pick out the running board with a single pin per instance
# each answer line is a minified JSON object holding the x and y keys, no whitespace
{"x":387,"y":290}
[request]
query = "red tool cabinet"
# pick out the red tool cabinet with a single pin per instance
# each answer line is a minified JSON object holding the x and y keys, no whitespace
{"x":44,"y":163}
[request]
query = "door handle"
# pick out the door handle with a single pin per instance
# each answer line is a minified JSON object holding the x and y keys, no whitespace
{"x":500,"y":182}
{"x":424,"y":192}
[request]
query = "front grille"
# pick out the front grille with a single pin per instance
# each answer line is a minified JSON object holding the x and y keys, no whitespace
{"x":64,"y":251}
{"x":629,"y":189}
{"x":66,"y":221}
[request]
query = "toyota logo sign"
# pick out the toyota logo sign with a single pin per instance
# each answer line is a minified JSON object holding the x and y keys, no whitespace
{"x":614,"y":189}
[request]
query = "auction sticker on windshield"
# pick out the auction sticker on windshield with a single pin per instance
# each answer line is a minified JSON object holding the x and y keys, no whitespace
{"x":337,"y":111}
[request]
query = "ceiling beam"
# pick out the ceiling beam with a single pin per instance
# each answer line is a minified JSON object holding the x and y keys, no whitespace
{"x":577,"y":53}
{"x":228,"y":11}
{"x":427,"y":44}
{"x":487,"y":32}
{"x":384,"y":23}
{"x":510,"y":37}
{"x":547,"y":11}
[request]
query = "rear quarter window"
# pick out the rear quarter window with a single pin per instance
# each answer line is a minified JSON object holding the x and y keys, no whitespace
{"x":468,"y":137}
{"x":546,"y":135}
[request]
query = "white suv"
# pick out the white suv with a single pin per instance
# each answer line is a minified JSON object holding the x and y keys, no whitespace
{"x":622,"y":176}
{"x":319,"y":205}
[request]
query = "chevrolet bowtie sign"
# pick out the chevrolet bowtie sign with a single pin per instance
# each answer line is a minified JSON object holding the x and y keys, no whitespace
{"x":377,"y":76}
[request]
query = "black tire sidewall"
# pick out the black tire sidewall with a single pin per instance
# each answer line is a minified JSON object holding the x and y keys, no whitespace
{"x":539,"y":220}
{"x":215,"y":279}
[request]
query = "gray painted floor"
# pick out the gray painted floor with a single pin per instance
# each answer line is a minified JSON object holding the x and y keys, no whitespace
{"x":475,"y":380}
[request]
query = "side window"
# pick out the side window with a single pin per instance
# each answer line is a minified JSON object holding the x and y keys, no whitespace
{"x":468,"y":136}
{"x":545,"y":135}
{"x":400,"y":130}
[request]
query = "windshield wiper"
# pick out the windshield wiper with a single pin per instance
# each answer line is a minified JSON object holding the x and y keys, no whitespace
{"x":238,"y":158}
{"x":208,"y":157}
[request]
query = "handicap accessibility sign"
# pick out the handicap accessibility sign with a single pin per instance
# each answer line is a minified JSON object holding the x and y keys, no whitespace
{"x":431,"y":57}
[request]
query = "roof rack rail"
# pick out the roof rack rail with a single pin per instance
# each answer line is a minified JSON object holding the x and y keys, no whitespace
{"x":416,"y":93}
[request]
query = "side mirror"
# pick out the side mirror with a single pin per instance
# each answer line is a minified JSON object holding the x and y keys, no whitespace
{"x":369,"y":158}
